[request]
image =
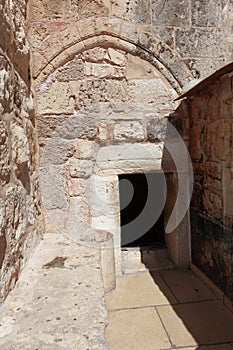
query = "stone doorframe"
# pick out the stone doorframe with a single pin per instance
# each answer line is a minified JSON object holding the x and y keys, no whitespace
{"x":135,"y":158}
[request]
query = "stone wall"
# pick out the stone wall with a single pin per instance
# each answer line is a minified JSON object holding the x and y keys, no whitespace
{"x":191,"y":38}
{"x":106,"y":73}
{"x":19,"y":187}
{"x":211,"y":130}
{"x":90,"y":111}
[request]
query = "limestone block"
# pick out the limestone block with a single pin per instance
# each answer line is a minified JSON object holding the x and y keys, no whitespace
{"x":129,"y":131}
{"x":209,"y":13}
{"x":165,"y":34}
{"x":77,"y":187}
{"x":212,"y":203}
{"x":56,"y":151}
{"x":53,"y":187}
{"x":157,"y":129}
{"x":205,"y":67}
{"x":136,"y":11}
{"x":47,"y":124}
{"x":116,"y":57}
{"x":4,"y":154}
{"x":139,"y":69}
{"x":2,"y":218}
{"x":84,"y":8}
{"x":151,"y":93}
{"x":227,"y":183}
{"x":79,"y":125}
{"x":96,"y":55}
{"x":213,"y":169}
{"x":172,"y":13}
{"x":218,"y":140}
{"x":215,"y":38}
{"x":104,"y":196}
{"x":55,"y":100}
{"x":80,"y":168}
{"x":104,"y":70}
{"x":195,"y":148}
{"x":79,"y":207}
{"x":48,"y":10}
{"x":16,"y":220}
{"x":73,"y":70}
{"x":129,"y":158}
{"x":84,"y":149}
{"x":6,"y":86}
{"x":20,"y":148}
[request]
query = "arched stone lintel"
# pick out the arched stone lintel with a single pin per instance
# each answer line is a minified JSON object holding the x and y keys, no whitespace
{"x":85,"y":34}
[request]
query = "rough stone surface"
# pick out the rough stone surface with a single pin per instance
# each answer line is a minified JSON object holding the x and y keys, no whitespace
{"x":211,"y":152}
{"x":106,"y":76}
{"x":20,"y":209}
{"x":64,"y":306}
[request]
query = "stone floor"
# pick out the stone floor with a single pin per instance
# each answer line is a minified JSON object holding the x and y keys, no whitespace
{"x":58,"y":302}
{"x":168,"y":309}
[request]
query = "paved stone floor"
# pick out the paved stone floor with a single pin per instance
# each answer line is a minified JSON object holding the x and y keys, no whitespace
{"x":58,"y":302}
{"x":169,"y":309}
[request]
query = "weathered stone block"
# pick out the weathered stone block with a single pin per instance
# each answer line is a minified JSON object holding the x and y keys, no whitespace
{"x":172,"y":13}
{"x":77,"y":187}
{"x":96,"y":55}
{"x":192,"y":42}
{"x":133,"y":10}
{"x":204,"y":67}
{"x":16,"y":220}
{"x":212,"y":203}
{"x":104,"y":71}
{"x":129,"y":158}
{"x":116,"y":57}
{"x":209,"y":13}
{"x":56,"y":99}
{"x":20,"y":149}
{"x":129,"y":131}
{"x":218,"y":140}
{"x":157,"y":129}
{"x":138,"y":69}
{"x":165,"y":34}
{"x":53,"y":187}
{"x":4,"y":154}
{"x":84,"y":149}
{"x":47,"y":10}
{"x":227,"y":194}
{"x":80,"y":125}
{"x":195,"y":147}
{"x":84,"y":8}
{"x":73,"y":70}
{"x":56,"y":151}
{"x":80,"y":168}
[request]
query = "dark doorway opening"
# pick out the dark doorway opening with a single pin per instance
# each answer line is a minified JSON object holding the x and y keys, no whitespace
{"x":142,"y":199}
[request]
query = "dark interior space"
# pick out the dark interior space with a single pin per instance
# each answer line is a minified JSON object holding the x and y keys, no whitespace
{"x":141,"y":202}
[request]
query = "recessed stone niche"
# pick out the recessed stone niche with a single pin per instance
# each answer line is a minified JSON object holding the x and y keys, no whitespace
{"x":102,"y":114}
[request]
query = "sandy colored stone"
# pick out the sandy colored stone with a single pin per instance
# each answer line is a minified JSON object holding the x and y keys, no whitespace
{"x":186,"y":287}
{"x":153,"y":291}
{"x":135,"y":329}
{"x":197,"y":323}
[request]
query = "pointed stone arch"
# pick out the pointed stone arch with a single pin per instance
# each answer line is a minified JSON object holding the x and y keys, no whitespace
{"x":62,"y":46}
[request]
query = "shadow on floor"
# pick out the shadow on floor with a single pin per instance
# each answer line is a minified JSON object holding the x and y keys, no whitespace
{"x":194,"y":314}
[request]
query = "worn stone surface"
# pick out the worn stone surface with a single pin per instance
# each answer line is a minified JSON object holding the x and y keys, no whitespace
{"x":209,"y":13}
{"x":172,"y":13}
{"x":113,"y":67}
{"x":211,"y":152}
{"x":192,"y":43}
{"x":20,"y":203}
{"x":64,"y":306}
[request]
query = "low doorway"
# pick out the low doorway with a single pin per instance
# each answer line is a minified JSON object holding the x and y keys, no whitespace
{"x":142,"y":201}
